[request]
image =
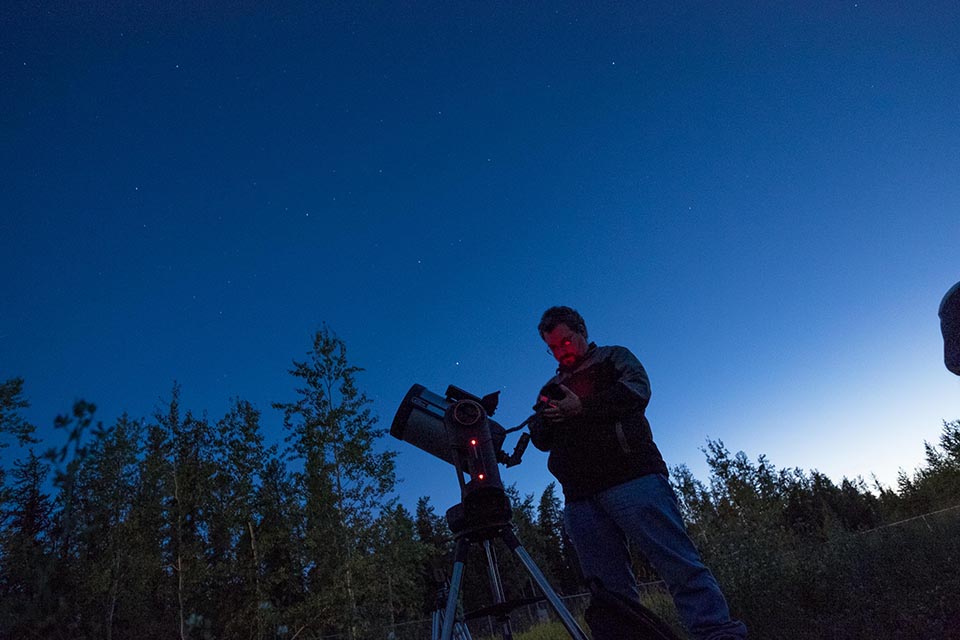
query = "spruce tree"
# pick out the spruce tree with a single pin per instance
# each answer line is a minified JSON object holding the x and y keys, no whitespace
{"x":277,"y":540}
{"x":241,"y":459}
{"x":152,"y":592}
{"x":12,"y":421}
{"x":27,"y":564}
{"x":177,"y":476}
{"x":107,"y":482}
{"x":551,"y":533}
{"x":395,"y":568}
{"x":432,"y":531}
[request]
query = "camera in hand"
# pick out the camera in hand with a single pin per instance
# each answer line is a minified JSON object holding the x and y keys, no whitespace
{"x":551,"y":391}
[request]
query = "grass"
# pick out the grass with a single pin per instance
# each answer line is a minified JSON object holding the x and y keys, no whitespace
{"x":657,"y":601}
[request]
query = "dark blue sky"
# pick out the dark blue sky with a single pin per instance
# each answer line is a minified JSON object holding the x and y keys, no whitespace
{"x":761,"y":201}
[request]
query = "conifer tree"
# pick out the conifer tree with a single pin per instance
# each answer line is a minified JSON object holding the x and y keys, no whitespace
{"x":433,"y":533}
{"x":550,"y":532}
{"x":27,"y":601}
{"x":431,"y":528}
{"x":395,"y":568}
{"x":181,"y":466}
{"x":14,"y":424}
{"x":152,"y":592}
{"x":107,"y":482}
{"x":935,"y":485}
{"x":61,"y":574}
{"x":241,"y":459}
{"x":516,"y":579}
{"x":278,"y":540}
{"x":12,"y":421}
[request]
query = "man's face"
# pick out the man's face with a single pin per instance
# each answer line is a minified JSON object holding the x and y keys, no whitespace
{"x":566,"y":345}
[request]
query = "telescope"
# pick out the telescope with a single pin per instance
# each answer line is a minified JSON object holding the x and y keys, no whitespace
{"x":457,"y":429}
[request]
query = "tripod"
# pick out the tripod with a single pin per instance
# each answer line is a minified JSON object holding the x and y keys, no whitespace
{"x":460,"y":630}
{"x":480,"y":519}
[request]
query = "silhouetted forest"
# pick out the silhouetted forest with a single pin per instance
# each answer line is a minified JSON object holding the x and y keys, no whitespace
{"x":182,"y":526}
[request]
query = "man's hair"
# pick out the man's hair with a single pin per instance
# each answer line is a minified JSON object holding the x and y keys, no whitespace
{"x":562,"y":315}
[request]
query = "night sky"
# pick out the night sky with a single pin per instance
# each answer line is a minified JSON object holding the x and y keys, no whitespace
{"x":761,"y":200}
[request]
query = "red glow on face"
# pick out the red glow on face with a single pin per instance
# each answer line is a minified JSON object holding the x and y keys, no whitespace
{"x":566,"y":345}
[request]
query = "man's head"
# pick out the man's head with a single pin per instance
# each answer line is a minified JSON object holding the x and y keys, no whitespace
{"x":565,"y":333}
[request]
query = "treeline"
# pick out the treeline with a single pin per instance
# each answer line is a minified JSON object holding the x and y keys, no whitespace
{"x":802,"y":557}
{"x":188,"y":527}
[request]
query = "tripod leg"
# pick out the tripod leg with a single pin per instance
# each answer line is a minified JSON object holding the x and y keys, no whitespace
{"x":510,"y":538}
{"x":459,"y":561}
{"x":461,"y":632}
{"x":460,"y":629}
{"x":496,"y":588}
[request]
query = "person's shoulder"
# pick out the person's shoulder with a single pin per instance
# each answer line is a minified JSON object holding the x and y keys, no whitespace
{"x":615,"y":352}
{"x":613,"y":349}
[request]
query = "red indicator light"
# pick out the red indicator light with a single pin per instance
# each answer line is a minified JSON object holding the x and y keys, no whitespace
{"x":480,"y":477}
{"x":473,"y":443}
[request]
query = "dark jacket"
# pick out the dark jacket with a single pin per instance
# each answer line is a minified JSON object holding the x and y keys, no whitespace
{"x":610,"y":442}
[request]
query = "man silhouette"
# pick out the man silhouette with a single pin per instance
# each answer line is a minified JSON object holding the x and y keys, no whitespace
{"x":591,"y":418}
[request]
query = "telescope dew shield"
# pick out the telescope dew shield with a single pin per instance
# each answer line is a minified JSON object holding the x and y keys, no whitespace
{"x":419,"y":421}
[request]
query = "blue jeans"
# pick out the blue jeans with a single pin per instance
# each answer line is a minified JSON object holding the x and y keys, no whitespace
{"x":645,"y":512}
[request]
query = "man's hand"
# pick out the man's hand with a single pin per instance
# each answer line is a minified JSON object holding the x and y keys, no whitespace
{"x":560,"y":410}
